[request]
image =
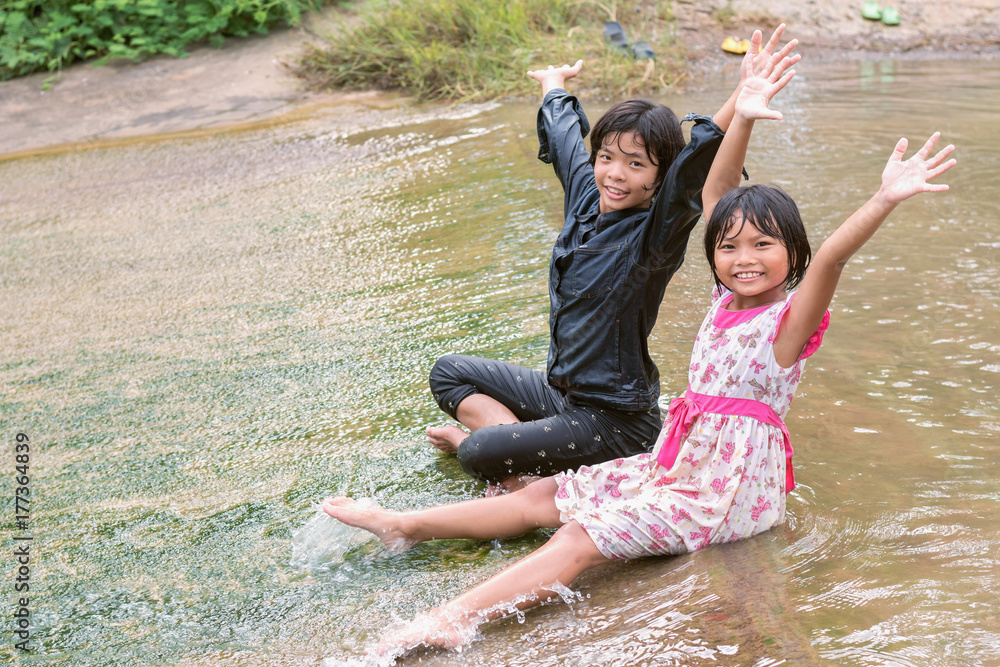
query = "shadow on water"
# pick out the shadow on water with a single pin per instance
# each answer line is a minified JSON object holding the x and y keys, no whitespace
{"x":206,"y":336}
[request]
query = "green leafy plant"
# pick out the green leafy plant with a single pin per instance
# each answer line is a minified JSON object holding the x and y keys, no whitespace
{"x":46,"y":35}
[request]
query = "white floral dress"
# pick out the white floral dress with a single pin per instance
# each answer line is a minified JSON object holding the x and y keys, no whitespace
{"x":722,"y":463}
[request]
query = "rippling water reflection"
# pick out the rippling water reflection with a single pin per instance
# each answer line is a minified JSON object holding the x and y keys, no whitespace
{"x":205,"y":337}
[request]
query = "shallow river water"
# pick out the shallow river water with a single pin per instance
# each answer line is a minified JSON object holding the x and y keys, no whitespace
{"x":203,"y":338}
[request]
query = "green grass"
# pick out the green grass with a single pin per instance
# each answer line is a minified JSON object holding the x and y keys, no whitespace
{"x":47,"y":35}
{"x":481,"y":49}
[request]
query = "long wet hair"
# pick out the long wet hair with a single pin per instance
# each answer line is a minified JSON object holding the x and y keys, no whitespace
{"x":655,"y":125}
{"x":770,"y":211}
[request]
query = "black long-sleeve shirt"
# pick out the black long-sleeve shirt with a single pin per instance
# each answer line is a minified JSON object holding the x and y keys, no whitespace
{"x":609,"y":271}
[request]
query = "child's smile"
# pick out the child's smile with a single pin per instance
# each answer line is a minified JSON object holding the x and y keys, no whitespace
{"x":624,"y":173}
{"x":753,"y":265}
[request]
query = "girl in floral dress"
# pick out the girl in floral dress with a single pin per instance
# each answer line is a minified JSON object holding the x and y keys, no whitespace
{"x":722,"y":464}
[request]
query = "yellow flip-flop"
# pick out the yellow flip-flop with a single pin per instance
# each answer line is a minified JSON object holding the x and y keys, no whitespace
{"x":730,"y":45}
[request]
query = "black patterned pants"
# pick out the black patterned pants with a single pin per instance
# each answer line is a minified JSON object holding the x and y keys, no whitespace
{"x":552,"y":436}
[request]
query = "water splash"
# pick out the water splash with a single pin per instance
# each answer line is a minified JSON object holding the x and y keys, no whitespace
{"x":428,"y":630}
{"x":441,"y":629}
{"x":322,"y":542}
{"x":386,"y":660}
{"x":568,"y":595}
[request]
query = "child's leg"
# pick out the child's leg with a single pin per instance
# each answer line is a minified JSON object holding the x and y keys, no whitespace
{"x":525,"y":584}
{"x":484,"y":518}
{"x":482,"y":392}
{"x":578,"y":436}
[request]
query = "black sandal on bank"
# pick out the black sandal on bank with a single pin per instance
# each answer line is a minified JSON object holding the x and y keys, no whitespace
{"x":643,"y":51}
{"x":614,"y":35}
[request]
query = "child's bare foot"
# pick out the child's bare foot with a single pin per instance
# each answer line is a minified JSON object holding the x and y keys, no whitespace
{"x":431,"y":630}
{"x":376,"y":520}
{"x":447,"y":438}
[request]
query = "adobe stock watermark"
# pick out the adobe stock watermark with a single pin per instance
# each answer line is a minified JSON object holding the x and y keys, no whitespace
{"x":22,"y":552}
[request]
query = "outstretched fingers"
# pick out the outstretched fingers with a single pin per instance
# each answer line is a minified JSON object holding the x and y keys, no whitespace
{"x":751,"y":63}
{"x":755,"y":41}
{"x":938,"y":157}
{"x":769,"y":64}
{"x":774,"y":39}
{"x":758,"y":88}
{"x":786,"y":61}
{"x":786,"y":49}
{"x":899,"y":150}
{"x":564,"y":71}
{"x":761,"y":56}
{"x":902,"y":179}
{"x":935,"y":165}
{"x":940,"y":168}
{"x":769,"y":60}
{"x":928,"y":146}
{"x":782,"y":74}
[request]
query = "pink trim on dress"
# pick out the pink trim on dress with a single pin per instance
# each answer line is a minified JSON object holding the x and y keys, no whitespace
{"x":816,"y":339}
{"x":685,"y":409}
{"x":725,"y":319}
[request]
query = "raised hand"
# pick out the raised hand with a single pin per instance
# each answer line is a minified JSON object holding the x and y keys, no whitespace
{"x":901,"y":179}
{"x":555,"y":77}
{"x":763,"y":73}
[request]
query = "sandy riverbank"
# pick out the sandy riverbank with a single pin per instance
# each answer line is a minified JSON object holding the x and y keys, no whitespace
{"x":246,"y":83}
{"x":835,"y":30}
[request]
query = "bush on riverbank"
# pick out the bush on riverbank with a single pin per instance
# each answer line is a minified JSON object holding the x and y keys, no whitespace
{"x":481,"y":49}
{"x":38,"y":35}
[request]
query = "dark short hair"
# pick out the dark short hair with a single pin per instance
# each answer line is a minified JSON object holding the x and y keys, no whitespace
{"x":655,"y":124}
{"x":771,"y":211}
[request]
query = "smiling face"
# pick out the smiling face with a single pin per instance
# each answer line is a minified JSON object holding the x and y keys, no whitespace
{"x":753,"y":265}
{"x":624,"y":173}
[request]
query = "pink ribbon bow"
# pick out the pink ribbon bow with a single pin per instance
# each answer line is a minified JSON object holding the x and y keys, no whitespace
{"x":683,"y":411}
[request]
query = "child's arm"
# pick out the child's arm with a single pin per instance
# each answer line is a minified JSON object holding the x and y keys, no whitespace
{"x":561,"y":127}
{"x":900,"y":180}
{"x":555,"y":77}
{"x":761,"y":77}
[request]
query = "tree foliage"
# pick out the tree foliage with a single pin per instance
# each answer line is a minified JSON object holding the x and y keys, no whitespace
{"x":46,"y":35}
